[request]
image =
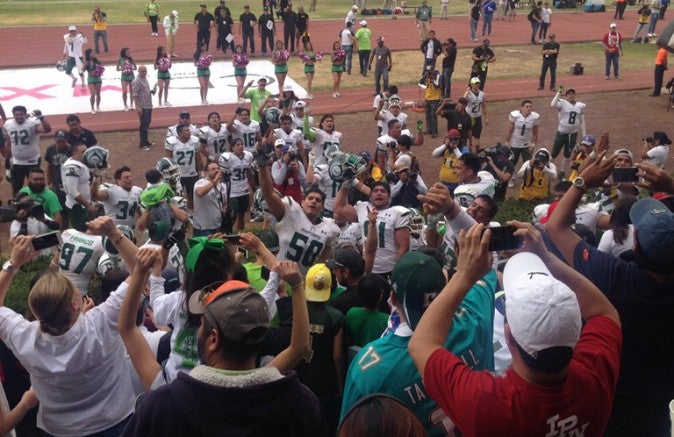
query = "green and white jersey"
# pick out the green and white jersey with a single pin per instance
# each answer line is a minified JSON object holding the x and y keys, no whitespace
{"x":299,"y":239}
{"x":291,"y":138}
{"x":184,"y":154}
{"x":524,"y":128}
{"x":569,"y":116}
{"x":25,"y":141}
{"x":388,"y":220}
{"x":239,"y":167}
{"x":475,"y":101}
{"x":122,"y":205}
{"x":110,"y":262}
{"x":172,"y":131}
{"x":75,"y":176}
{"x":79,"y":258}
{"x":385,"y":365}
{"x":247,"y":133}
{"x":323,"y":140}
{"x":214,"y":141}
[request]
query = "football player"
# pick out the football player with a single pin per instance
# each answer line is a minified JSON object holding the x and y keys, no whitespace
{"x":184,"y":149}
{"x":571,"y":116}
{"x":121,"y":200}
{"x":213,"y":137}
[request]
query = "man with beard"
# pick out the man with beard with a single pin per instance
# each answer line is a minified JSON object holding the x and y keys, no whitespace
{"x":38,"y":191}
{"x":121,"y":200}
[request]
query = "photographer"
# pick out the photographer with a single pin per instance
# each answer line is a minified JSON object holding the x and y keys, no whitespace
{"x":289,"y":175}
{"x":536,"y":175}
{"x":209,"y":201}
{"x":655,"y":149}
{"x":498,"y":163}
{"x":405,"y":186}
{"x":30,"y":218}
{"x":432,"y":96}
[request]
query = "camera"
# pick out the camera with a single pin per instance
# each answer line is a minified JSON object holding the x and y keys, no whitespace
{"x":392,"y":145}
{"x":412,"y":175}
{"x":10,"y":212}
{"x":263,"y":154}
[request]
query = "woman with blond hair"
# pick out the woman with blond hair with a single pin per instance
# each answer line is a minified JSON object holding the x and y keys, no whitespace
{"x":76,"y":360}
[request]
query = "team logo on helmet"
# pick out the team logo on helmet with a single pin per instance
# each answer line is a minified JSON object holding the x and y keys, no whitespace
{"x":61,"y":65}
{"x":107,"y":243}
{"x":224,"y":160}
{"x":272,"y":115}
{"x":96,"y":157}
{"x":344,"y":166}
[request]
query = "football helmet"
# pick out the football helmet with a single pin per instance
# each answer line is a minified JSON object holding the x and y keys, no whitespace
{"x":96,"y":157}
{"x":61,"y":65}
{"x":394,"y":100}
{"x":542,"y":156}
{"x":272,"y":115}
{"x":417,"y":222}
{"x":128,"y":233}
{"x":331,"y":150}
{"x":344,"y":166}
{"x":169,"y":170}
{"x":223,"y":161}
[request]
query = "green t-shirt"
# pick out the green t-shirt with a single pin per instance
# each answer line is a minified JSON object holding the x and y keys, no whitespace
{"x":363,"y":326}
{"x":254,"y":272}
{"x":47,"y":198}
{"x":256,"y":98}
{"x":152,"y":9}
{"x":364,"y":37}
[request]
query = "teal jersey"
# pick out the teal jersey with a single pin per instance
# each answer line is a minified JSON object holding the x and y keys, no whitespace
{"x":385,"y":365}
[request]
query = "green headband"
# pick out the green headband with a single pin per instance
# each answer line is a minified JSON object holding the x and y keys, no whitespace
{"x":198,"y":244}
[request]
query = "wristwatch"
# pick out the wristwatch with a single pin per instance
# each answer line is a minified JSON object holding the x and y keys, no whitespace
{"x":580,"y":184}
{"x":8,"y":267}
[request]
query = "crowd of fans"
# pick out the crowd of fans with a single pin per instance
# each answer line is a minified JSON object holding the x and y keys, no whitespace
{"x":367,"y":298}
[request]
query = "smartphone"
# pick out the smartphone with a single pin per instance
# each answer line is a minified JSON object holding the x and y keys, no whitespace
{"x":47,"y":240}
{"x":504,"y":238}
{"x":232,"y":239}
{"x":243,"y":251}
{"x":625,"y":174}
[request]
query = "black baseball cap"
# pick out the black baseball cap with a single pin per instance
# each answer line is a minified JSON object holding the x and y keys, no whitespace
{"x":347,"y":258}
{"x":184,"y":114}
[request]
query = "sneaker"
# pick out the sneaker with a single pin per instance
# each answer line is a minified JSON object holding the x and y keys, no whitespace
{"x":98,"y":109}
{"x":618,"y":78}
{"x":339,"y":95}
{"x":334,"y":95}
{"x":159,"y":104}
{"x":126,"y":108}
{"x":310,"y":96}
{"x":167,"y":104}
{"x":93,"y":111}
{"x":511,"y":183}
{"x":608,"y":77}
{"x":145,"y":148}
{"x":540,"y":88}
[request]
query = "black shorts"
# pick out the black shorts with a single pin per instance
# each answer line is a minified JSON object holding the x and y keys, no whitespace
{"x":239,"y":205}
{"x":476,"y":127}
{"x":188,"y":185}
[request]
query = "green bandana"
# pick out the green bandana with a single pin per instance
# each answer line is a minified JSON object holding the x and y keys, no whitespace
{"x":196,"y":245}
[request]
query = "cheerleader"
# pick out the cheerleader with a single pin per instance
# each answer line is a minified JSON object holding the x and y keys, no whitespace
{"x":162,"y":63}
{"x":127,"y":66}
{"x":94,"y":71}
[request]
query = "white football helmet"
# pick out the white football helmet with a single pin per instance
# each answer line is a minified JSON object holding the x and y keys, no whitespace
{"x":169,"y":170}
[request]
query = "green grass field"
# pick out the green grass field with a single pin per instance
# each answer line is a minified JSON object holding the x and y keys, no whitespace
{"x":54,"y":12}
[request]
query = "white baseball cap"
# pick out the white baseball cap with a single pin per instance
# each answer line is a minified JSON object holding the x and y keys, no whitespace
{"x":72,"y":27}
{"x":541,"y":311}
{"x":300,"y":104}
{"x":363,"y":23}
{"x":613,"y":26}
{"x":474,"y":80}
{"x":175,"y":14}
{"x":354,"y":8}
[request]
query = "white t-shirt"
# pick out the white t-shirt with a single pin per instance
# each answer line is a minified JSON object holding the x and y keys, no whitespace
{"x":247,"y":133}
{"x":214,"y":141}
{"x":75,"y":176}
{"x":465,"y":194}
{"x":346,"y":37}
{"x":239,"y":167}
{"x":207,"y":208}
{"x":474,"y":106}
{"x":80,"y":377}
{"x":80,"y":253}
{"x":524,"y":126}
{"x":25,"y":141}
{"x":323,"y":140}
{"x":657,"y":156}
{"x":301,"y":240}
{"x":608,"y":245}
{"x":388,"y":220}
{"x":184,"y":154}
{"x":569,"y":116}
{"x":122,"y":205}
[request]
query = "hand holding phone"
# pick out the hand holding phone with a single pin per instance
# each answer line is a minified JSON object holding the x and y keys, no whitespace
{"x":47,"y":240}
{"x":504,"y":238}
{"x":625,"y":174}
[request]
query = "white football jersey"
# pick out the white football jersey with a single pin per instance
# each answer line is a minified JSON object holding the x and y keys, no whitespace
{"x":474,"y":107}
{"x":73,"y":45}
{"x":299,"y":239}
{"x":466,"y":193}
{"x":388,"y":220}
{"x":172,"y":131}
{"x":184,"y":154}
{"x":73,"y":169}
{"x":239,"y":168}
{"x":323,"y":140}
{"x":291,"y":138}
{"x":79,"y":258}
{"x":214,"y":141}
{"x":523,"y":128}
{"x":121,"y":204}
{"x":387,"y":116}
{"x":25,"y":141}
{"x":247,"y":133}
{"x":326,"y":185}
{"x":298,"y":122}
{"x":569,"y":116}
{"x":351,"y":235}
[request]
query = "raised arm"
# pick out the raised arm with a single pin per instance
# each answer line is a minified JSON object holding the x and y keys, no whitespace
{"x":372,"y":241}
{"x":341,"y":206}
{"x":21,"y":252}
{"x":105,"y":226}
{"x":274,"y":202}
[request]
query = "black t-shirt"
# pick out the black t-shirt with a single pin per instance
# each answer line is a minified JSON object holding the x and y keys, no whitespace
{"x":289,"y":19}
{"x":480,"y":51}
{"x":85,"y":137}
{"x":460,"y":121}
{"x":247,"y":20}
{"x":551,"y":46}
{"x":302,"y":19}
{"x":450,"y":59}
{"x":222,"y":11}
{"x":55,"y":159}
{"x":224,"y":24}
{"x":348,"y":299}
{"x":262,"y":22}
{"x":475,"y":13}
{"x":501,"y":187}
{"x":204,"y":20}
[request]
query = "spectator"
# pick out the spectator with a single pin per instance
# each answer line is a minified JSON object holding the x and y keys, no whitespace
{"x":660,"y":67}
{"x":363,"y":38}
{"x":639,"y":289}
{"x":267,"y":29}
{"x":288,"y":173}
{"x":347,"y":266}
{"x":31,"y":220}
{"x":39,"y":192}
{"x":171,"y":24}
{"x":535,"y":17}
{"x":365,"y":323}
{"x":431,"y":48}
{"x":642,"y":24}
{"x":382,"y":66}
{"x":655,"y":6}
{"x":204,"y":21}
{"x":351,"y":15}
{"x":142,"y":96}
{"x":248,"y":21}
{"x":289,"y":18}
{"x":449,"y":151}
{"x":546,"y":13}
{"x":488,"y":9}
{"x":498,"y":164}
{"x":536,"y":176}
{"x":417,"y":280}
{"x":152,"y":14}
{"x":380,"y":415}
{"x":655,"y":149}
{"x":424,"y":19}
{"x":482,"y":56}
{"x":613,"y":50}
{"x":432,"y":96}
{"x":89,"y":391}
{"x":302,"y":26}
{"x":405,"y":190}
{"x":448,"y":61}
{"x":474,"y":16}
{"x":24,"y":133}
{"x":458,"y":119}
{"x":545,"y":336}
{"x":324,"y":375}
{"x":257,"y":97}
{"x":100,"y":29}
